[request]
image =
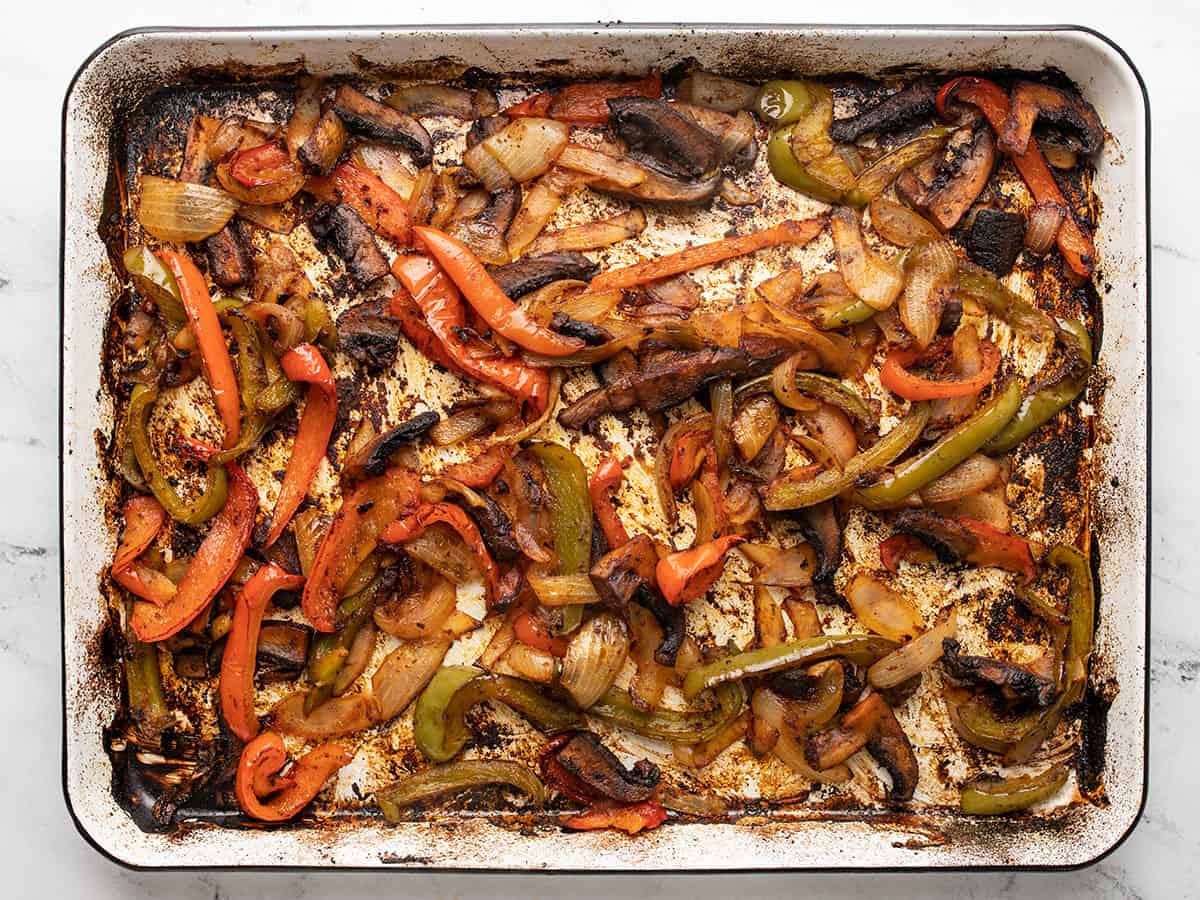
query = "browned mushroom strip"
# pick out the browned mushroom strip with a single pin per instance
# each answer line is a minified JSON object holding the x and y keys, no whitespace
{"x":945,"y":189}
{"x":228,"y":261}
{"x":343,"y":229}
{"x":1012,"y":681}
{"x":674,"y":138}
{"x":373,"y":119}
{"x":1030,"y":102}
{"x":320,"y":151}
{"x":900,"y":109}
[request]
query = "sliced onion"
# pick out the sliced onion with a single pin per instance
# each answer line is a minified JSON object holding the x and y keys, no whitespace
{"x":783,"y":384}
{"x":238,"y":133}
{"x":442,"y":100}
{"x":459,"y":427}
{"x":335,"y":717}
{"x":646,"y":687}
{"x":305,"y":113}
{"x":873,"y":279}
{"x":768,"y":618}
{"x":573,"y":299}
{"x":1042,"y":231}
{"x":531,"y":663}
{"x":966,"y":358}
{"x":754,"y":424}
{"x":623,"y":174}
{"x":806,"y":621}
{"x":284,"y":327}
{"x":309,"y":526}
{"x":362,"y":648}
{"x":987,"y":506}
{"x":389,"y":163}
{"x":419,"y":615}
{"x":594,"y":658}
{"x":720,"y":394}
{"x":404,"y":673}
{"x":487,"y":169}
{"x":883,"y":610}
{"x":832,"y":428}
{"x":783,"y":288}
{"x":532,"y":428}
{"x":697,"y":756}
{"x":716,"y":92}
{"x":592,"y":235}
{"x":899,"y":225}
{"x":769,"y":708}
{"x":736,"y":195}
{"x":527,"y":147}
{"x":781,"y":567}
{"x":914,"y":657}
{"x":742,"y":504}
{"x":441,"y":548}
{"x":972,"y":475}
{"x":181,"y":211}
{"x":563,"y":590}
{"x":538,"y":207}
{"x":662,"y":461}
{"x":265,"y":194}
{"x":280,"y":218}
{"x":932,"y":269}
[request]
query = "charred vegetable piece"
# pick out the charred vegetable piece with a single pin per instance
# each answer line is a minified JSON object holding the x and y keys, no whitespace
{"x":532,"y":272}
{"x":945,"y":189}
{"x":324,"y":145}
{"x":619,"y":574}
{"x":1030,"y":102}
{"x":1012,"y":681}
{"x":450,"y":778}
{"x":989,"y":795}
{"x":896,"y":111}
{"x":672,"y":725}
{"x":344,"y":230}
{"x":595,"y":766}
{"x":676,"y":139}
{"x":376,"y":120}
{"x":265,"y":796}
{"x":377,"y":455}
{"x":670,"y":619}
{"x":871,"y":724}
{"x":995,"y":239}
{"x":368,"y":336}
{"x":968,"y":540}
{"x":688,"y":574}
{"x":570,"y":506}
{"x":228,"y":262}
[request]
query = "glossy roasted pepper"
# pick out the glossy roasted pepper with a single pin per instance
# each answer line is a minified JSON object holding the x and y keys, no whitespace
{"x":144,"y":519}
{"x":895,"y":376}
{"x":837,"y":393}
{"x":790,"y":493}
{"x":148,"y":708}
{"x":784,"y":102}
{"x":155,"y":281}
{"x":438,"y":781}
{"x":955,"y":446}
{"x":608,"y":475}
{"x":675,"y":726}
{"x":384,"y":211}
{"x":832,"y":316}
{"x":191,"y":512}
{"x":1019,"y":313}
{"x":1055,"y":395}
{"x":631,"y":818}
{"x":264,"y":794}
{"x":236,"y":685}
{"x":327,"y":652}
{"x":688,"y":574}
{"x":305,"y":363}
{"x":987,"y":795}
{"x":795,"y":174}
{"x":862,"y":649}
{"x":252,"y":380}
{"x":426,"y":514}
{"x":570,"y":507}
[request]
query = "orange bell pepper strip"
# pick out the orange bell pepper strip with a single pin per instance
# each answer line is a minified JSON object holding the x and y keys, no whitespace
{"x":351,"y":537}
{"x":236,"y":684}
{"x":413,"y":324}
{"x":688,"y":574}
{"x":790,"y":231}
{"x":537,"y":105}
{"x":439,"y":300}
{"x":608,"y":474}
{"x":197,"y":302}
{"x":144,"y":519}
{"x":482,"y":470}
{"x":210,"y":568}
{"x":1074,"y":241}
{"x":631,"y":819}
{"x":533,"y":632}
{"x":410,"y":526}
{"x":586,"y":104}
{"x":895,"y":376}
{"x":903,"y":547}
{"x":265,"y":795}
{"x":263,"y":165}
{"x":481,"y":291}
{"x":687,"y":456}
{"x":384,"y":211}
{"x":997,"y":548}
{"x":305,"y":363}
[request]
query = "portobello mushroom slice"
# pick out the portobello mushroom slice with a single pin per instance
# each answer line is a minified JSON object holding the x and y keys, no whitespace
{"x":484,"y":127}
{"x":484,"y":233}
{"x":532,"y":272}
{"x":1031,"y":102}
{"x":592,"y":335}
{"x":872,"y":725}
{"x":369,"y":335}
{"x":320,"y":151}
{"x":369,"y":117}
{"x":228,"y":261}
{"x":995,"y":240}
{"x":350,"y":237}
{"x":901,"y":108}
{"x":675,"y":139}
{"x":661,"y":187}
{"x":619,"y":573}
{"x":496,"y":529}
{"x":597,"y":770}
{"x":820,"y":527}
{"x":1011,"y":681}
{"x":671,"y":619}
{"x":944,"y":188}
{"x":736,"y":134}
{"x":372,"y":460}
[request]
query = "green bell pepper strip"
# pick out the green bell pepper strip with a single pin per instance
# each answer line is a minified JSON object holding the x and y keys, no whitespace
{"x":251,"y":382}
{"x":789,"y":494}
{"x":875,"y":178}
{"x":831,"y":316}
{"x":193,"y":512}
{"x":790,"y":171}
{"x":783,"y":102}
{"x":1053,"y":397}
{"x":863,"y":649}
{"x":672,"y":725}
{"x":1020,"y":314}
{"x":154,"y":280}
{"x":955,"y":446}
{"x":319,"y":328}
{"x":986,"y":795}
{"x":438,"y":781}
{"x":571,"y":508}
{"x":143,"y":682}
{"x":1083,"y":610}
{"x":837,"y":393}
{"x":429,"y":715}
{"x":328,"y":652}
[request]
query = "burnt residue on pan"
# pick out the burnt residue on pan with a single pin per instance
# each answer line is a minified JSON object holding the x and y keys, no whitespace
{"x":183,"y":782}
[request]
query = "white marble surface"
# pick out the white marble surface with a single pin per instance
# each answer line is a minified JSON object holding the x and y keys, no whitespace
{"x":40,"y":852}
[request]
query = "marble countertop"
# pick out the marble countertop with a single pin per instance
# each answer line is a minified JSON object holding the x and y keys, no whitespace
{"x":41,"y":852}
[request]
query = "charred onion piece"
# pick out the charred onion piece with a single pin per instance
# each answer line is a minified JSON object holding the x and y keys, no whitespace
{"x":376,"y":120}
{"x":618,"y":575}
{"x":870,"y":724}
{"x":900,"y":109}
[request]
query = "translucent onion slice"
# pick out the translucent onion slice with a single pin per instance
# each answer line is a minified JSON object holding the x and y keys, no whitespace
{"x":419,"y":615}
{"x":914,"y":657}
{"x":873,"y":279}
{"x":594,"y":658}
{"x":899,"y":225}
{"x":389,"y":163}
{"x":591,"y":162}
{"x":181,"y":211}
{"x":335,"y":717}
{"x":883,"y":610}
{"x":404,"y":673}
{"x":783,"y":384}
{"x":932,"y":269}
{"x":1044,"y":221}
{"x":769,"y":709}
{"x":527,"y":147}
{"x":972,"y":475}
{"x":487,"y":169}
{"x":592,"y":235}
{"x":563,"y":590}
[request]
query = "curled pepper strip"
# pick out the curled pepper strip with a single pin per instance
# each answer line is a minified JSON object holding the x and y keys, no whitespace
{"x":305,"y":363}
{"x":585,"y":104}
{"x":894,"y":375}
{"x":264,"y":795}
{"x":350,"y":539}
{"x":144,"y":519}
{"x":384,"y":211}
{"x":241,"y":647}
{"x":1074,"y":242}
{"x":608,"y":475}
{"x":418,"y":332}
{"x":688,"y":574}
{"x":485,"y":296}
{"x":209,"y":569}
{"x":426,"y":514}
{"x":987,"y":795}
{"x":441,"y":303}
{"x":480,"y":471}
{"x":197,"y":302}
{"x":903,"y":548}
{"x":631,"y":819}
{"x":996,"y":548}
{"x":533,"y":632}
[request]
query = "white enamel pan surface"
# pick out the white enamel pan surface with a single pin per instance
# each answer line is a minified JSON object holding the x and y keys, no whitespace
{"x":121,"y":72}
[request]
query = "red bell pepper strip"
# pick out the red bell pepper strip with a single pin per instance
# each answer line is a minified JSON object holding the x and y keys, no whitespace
{"x":351,"y":537}
{"x":144,"y":519}
{"x":305,"y":363}
{"x":687,"y":456}
{"x":416,"y":329}
{"x":209,"y":569}
{"x":789,"y":231}
{"x":263,"y":165}
{"x":1074,"y":242}
{"x":197,"y":302}
{"x":482,"y":470}
{"x":895,"y":376}
{"x":903,"y":547}
{"x":439,"y":300}
{"x":533,"y":632}
{"x":426,"y":514}
{"x":264,"y":795}
{"x":481,"y":291}
{"x":608,"y":475}
{"x":710,"y":480}
{"x":384,"y":211}
{"x":688,"y":574}
{"x":997,"y":548}
{"x":241,"y":647}
{"x":586,"y":104}
{"x":631,"y":819}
